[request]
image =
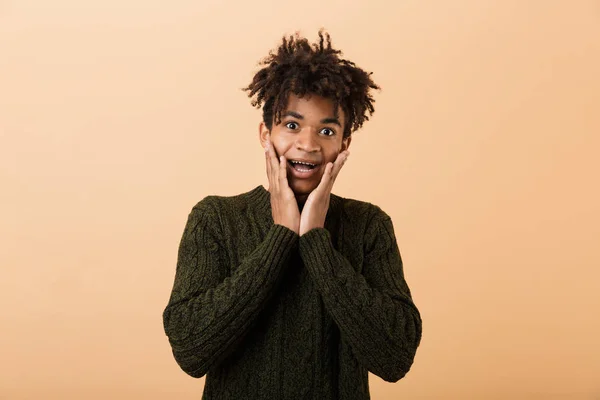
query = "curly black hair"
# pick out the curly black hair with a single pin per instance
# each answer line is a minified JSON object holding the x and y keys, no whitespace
{"x":300,"y":69}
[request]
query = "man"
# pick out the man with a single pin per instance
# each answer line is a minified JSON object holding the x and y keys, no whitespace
{"x":294,"y":292}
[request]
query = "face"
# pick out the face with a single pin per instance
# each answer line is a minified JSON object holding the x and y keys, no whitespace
{"x":308,"y":132}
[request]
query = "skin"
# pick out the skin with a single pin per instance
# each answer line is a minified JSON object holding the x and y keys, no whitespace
{"x":306,"y":138}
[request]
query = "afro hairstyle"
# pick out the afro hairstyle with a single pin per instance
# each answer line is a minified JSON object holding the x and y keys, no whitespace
{"x":298,"y":68}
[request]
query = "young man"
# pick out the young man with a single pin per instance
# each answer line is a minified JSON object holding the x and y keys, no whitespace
{"x":294,"y":292}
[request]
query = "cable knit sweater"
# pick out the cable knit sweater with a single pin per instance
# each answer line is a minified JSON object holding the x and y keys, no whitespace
{"x":268,"y":314}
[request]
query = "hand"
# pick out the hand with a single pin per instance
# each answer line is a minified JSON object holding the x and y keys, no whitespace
{"x":317,"y":203}
{"x":284,"y":205}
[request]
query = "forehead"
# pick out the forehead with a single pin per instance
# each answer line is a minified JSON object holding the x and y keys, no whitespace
{"x":312,"y":106}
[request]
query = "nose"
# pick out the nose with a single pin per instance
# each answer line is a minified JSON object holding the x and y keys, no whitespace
{"x":306,"y":140}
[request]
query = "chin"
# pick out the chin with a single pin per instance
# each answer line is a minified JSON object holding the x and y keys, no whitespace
{"x":303,"y":187}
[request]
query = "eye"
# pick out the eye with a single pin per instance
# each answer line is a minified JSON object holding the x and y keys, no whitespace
{"x":287,"y":125}
{"x":330,"y":130}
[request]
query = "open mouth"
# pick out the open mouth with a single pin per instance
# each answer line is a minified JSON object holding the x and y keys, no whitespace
{"x":303,"y":169}
{"x":302,"y":166}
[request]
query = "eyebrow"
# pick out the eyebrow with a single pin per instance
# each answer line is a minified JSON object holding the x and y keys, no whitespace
{"x":330,"y":120}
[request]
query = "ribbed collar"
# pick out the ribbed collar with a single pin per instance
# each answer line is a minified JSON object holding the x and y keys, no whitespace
{"x":261,"y":199}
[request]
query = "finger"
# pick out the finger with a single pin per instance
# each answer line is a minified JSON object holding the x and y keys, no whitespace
{"x":337,"y":166}
{"x":283,"y":171}
{"x":274,"y":164}
{"x":274,"y":157}
{"x":326,"y":178}
{"x":268,"y":163}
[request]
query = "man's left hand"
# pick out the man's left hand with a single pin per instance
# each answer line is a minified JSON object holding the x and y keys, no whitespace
{"x":316,"y":205}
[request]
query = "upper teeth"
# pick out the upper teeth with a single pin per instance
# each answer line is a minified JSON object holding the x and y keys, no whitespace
{"x":302,"y":162}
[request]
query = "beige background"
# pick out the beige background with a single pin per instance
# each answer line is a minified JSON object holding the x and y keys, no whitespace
{"x":117,"y":116}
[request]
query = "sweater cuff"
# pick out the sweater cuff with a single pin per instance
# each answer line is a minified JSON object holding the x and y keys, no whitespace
{"x":315,"y":245}
{"x":283,"y":239}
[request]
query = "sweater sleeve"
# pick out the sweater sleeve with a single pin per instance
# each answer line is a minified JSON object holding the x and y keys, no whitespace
{"x":208,"y":313}
{"x":373,"y":310}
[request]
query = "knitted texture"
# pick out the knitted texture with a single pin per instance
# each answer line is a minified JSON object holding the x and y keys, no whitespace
{"x":267,"y":314}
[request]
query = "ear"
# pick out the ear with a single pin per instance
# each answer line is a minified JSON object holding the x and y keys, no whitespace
{"x":346,"y":143}
{"x":263,"y":132}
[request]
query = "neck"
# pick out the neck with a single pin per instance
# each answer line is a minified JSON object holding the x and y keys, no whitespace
{"x":301,"y":201}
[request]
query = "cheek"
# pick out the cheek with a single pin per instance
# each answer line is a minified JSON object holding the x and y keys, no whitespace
{"x":279,"y":150}
{"x":331,"y":157}
{"x":281,"y":146}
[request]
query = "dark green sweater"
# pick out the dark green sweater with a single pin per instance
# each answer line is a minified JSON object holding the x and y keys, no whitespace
{"x":268,"y":314}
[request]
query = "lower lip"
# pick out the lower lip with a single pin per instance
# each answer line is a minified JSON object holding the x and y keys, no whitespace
{"x":302,"y":174}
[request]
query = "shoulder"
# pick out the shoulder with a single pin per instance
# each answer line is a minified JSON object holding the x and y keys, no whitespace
{"x":220,"y":208}
{"x":360,"y":211}
{"x":218,"y":203}
{"x":369,"y":222}
{"x":207,"y":214}
{"x":207,"y":205}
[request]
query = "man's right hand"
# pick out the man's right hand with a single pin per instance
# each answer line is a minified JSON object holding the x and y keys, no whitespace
{"x":284,"y":205}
